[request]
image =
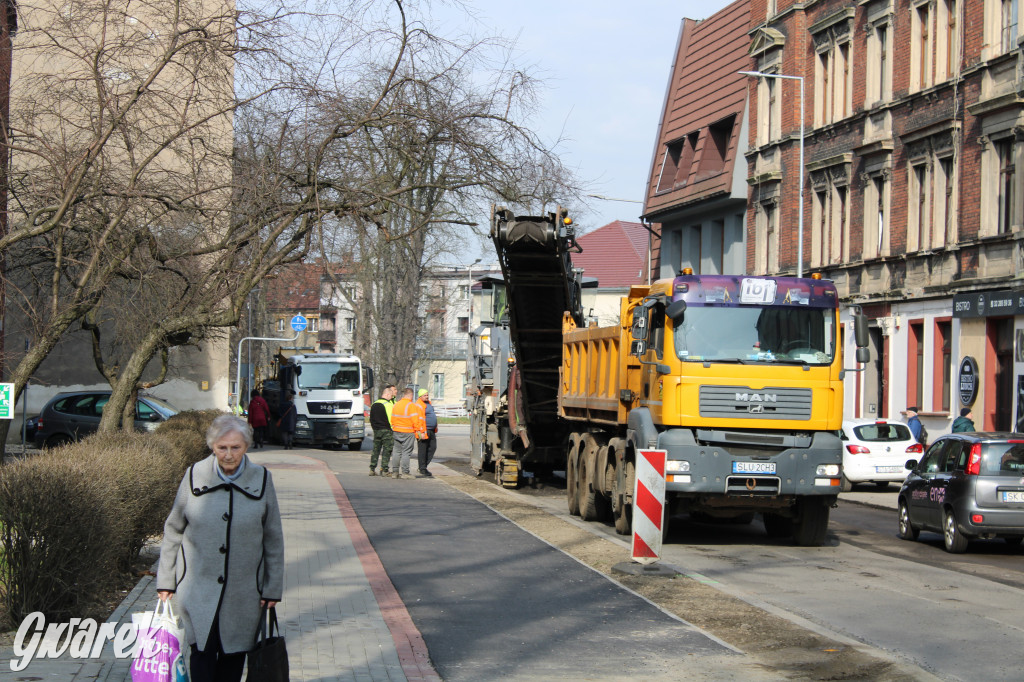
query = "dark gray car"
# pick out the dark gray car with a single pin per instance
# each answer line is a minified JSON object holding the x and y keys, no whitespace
{"x":71,"y":416}
{"x":966,"y":486}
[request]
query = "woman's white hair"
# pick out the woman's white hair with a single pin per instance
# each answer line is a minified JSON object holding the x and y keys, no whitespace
{"x":225,"y":424}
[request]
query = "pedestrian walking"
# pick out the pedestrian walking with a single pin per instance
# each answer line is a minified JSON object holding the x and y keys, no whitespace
{"x":917,"y":429}
{"x":380,"y":422}
{"x":225,"y":529}
{"x":259,"y":417}
{"x":428,"y":445}
{"x":286,"y":424}
{"x":408,"y":426}
{"x":965,"y":422}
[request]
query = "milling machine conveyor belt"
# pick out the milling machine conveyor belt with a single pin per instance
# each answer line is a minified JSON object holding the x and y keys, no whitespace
{"x":541,"y":286}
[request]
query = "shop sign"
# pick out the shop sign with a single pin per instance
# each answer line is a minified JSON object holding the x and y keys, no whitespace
{"x":988,"y":304}
{"x":967,"y":378}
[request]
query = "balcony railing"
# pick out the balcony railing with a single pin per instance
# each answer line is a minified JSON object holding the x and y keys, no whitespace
{"x":441,"y":349}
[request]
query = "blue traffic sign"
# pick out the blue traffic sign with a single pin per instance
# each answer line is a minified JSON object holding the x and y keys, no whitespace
{"x":299,"y":323}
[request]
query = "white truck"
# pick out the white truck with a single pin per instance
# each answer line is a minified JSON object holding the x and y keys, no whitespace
{"x":329,"y":394}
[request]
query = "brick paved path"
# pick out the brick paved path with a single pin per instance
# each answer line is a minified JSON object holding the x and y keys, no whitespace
{"x":341,"y":616}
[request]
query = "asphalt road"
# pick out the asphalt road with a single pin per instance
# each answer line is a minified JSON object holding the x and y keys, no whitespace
{"x":494,"y":602}
{"x":957,"y":616}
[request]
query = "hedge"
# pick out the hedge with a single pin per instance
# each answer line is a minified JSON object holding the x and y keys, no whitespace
{"x":72,"y":517}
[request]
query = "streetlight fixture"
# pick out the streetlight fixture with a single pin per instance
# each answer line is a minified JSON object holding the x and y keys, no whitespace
{"x":800,"y":208}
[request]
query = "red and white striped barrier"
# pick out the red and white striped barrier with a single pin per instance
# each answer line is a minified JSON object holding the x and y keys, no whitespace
{"x":648,"y":505}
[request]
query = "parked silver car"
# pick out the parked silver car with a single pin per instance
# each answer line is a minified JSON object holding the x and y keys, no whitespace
{"x":966,"y":486}
{"x":72,"y":416}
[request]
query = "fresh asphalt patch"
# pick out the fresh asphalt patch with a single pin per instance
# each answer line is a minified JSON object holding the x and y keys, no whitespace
{"x":493,"y":601}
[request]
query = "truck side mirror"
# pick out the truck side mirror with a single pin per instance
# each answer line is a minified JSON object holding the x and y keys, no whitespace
{"x":368,"y":378}
{"x":675,"y":311}
{"x":860,"y":329}
{"x":863,"y":355}
{"x":638,"y":348}
{"x":639,"y":330}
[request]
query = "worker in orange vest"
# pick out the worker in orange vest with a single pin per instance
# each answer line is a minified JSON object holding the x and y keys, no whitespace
{"x":409,"y":424}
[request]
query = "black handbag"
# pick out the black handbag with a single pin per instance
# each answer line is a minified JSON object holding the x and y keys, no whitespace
{"x":268,"y":662}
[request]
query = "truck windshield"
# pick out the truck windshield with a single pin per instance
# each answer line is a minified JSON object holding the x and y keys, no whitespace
{"x":329,"y":375}
{"x":770,"y":334}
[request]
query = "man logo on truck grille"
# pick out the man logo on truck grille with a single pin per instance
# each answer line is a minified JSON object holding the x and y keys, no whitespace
{"x":757,"y":398}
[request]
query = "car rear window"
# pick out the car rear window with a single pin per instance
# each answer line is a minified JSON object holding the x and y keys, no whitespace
{"x":882,"y":433}
{"x":1003,"y":459}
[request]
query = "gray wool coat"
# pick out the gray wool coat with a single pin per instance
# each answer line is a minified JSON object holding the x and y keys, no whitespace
{"x":223,"y":548}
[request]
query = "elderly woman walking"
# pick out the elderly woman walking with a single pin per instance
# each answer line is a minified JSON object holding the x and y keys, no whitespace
{"x":223,"y":552}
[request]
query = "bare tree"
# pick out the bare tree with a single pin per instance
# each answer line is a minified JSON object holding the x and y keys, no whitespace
{"x":170,"y":154}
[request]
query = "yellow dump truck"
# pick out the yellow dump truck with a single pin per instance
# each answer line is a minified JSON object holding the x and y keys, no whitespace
{"x":739,"y":378}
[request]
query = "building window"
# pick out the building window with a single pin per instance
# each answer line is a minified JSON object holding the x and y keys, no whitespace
{"x":879,"y":65}
{"x":830,"y":239}
{"x":917,"y":209}
{"x":1008,"y":25}
{"x":833,"y":74}
{"x":943,"y":360}
{"x":350,"y":324}
{"x":945,"y":190}
{"x":675,"y":169}
{"x":947,"y":58}
{"x":464,"y":291}
{"x":769,"y":111}
{"x":766,"y":247}
{"x":716,"y":146}
{"x":437,"y":387}
{"x":463,"y":325}
{"x":280,"y":324}
{"x":921,"y":47}
{"x":876,"y":215}
{"x":1006,"y":190}
{"x":915,"y":365}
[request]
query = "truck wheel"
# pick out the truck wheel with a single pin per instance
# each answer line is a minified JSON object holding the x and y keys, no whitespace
{"x":777,"y":526}
{"x":624,"y":512}
{"x":586,"y":479}
{"x":811,"y":523}
{"x":571,"y":473}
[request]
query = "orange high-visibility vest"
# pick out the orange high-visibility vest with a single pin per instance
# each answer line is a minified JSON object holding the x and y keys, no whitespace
{"x":407,"y":416}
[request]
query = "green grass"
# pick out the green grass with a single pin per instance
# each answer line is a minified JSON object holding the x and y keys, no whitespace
{"x":453,"y":420}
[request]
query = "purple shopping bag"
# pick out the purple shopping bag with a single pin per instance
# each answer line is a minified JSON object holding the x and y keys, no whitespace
{"x":158,"y":656}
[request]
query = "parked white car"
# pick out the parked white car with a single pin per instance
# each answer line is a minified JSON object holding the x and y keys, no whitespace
{"x":876,"y":451}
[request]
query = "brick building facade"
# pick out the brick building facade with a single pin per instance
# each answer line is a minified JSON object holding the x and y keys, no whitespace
{"x":913,"y":191}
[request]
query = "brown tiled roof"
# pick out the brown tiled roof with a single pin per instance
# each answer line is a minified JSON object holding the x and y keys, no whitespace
{"x":704,"y":89}
{"x":615,"y":254}
{"x":294,"y":287}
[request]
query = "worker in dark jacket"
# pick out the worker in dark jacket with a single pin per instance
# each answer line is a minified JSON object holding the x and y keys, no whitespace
{"x":380,"y":422}
{"x":964,"y":422}
{"x":428,"y":445}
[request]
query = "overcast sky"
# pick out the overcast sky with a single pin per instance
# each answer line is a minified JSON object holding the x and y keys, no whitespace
{"x":606,"y":64}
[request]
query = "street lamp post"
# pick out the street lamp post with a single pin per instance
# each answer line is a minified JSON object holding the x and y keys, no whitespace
{"x":469,"y":292}
{"x":800,"y":175}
